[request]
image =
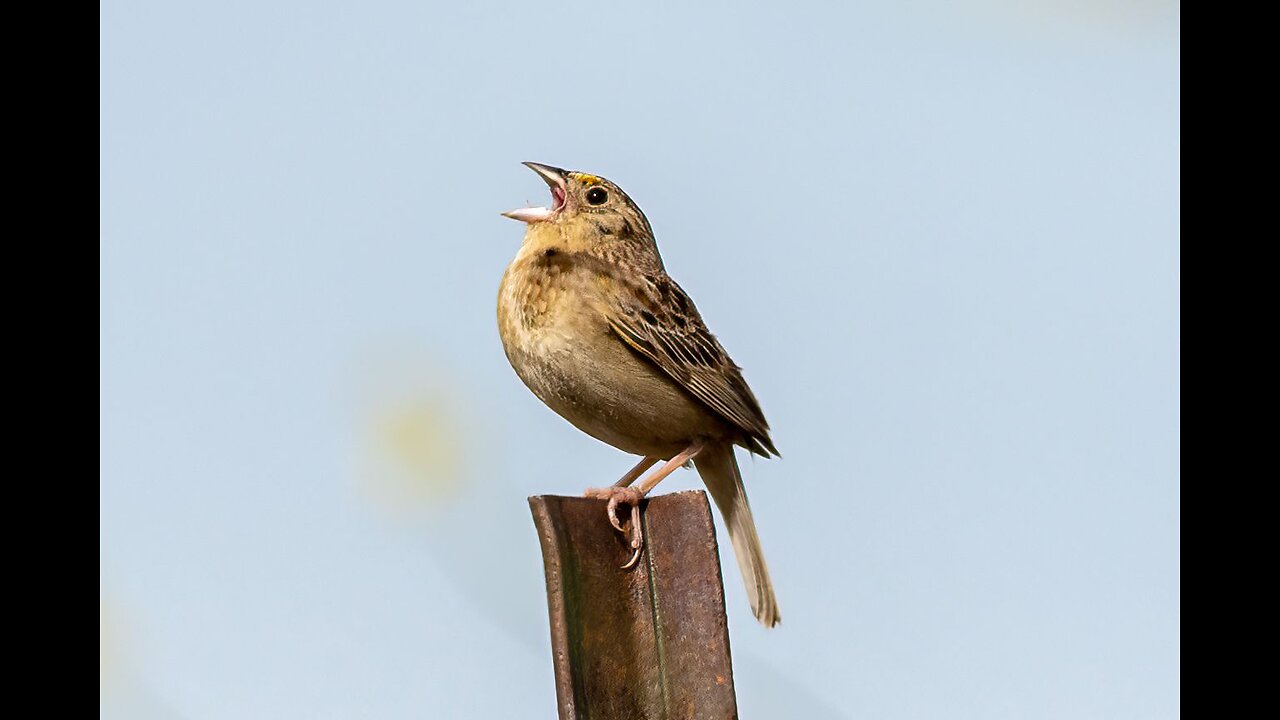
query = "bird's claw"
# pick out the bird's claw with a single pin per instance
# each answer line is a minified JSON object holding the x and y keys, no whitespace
{"x":618,"y":496}
{"x":637,"y":538}
{"x":635,"y":558}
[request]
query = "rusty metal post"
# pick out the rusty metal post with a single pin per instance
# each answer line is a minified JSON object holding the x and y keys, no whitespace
{"x":649,"y":643}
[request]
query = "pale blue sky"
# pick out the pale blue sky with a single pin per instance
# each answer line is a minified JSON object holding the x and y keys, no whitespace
{"x":941,"y":238}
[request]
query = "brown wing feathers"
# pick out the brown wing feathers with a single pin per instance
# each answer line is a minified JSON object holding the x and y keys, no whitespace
{"x":677,"y":341}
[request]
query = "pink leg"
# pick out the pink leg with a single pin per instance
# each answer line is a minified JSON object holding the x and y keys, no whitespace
{"x":669,"y":467}
{"x":632,"y":496}
{"x":637,"y":471}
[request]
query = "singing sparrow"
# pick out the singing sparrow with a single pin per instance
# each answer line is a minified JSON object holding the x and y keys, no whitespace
{"x":592,"y":323}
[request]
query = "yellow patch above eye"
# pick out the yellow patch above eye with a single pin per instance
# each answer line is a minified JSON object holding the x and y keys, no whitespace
{"x":586,"y":179}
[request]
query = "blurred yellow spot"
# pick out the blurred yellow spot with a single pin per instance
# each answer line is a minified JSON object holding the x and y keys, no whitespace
{"x":417,"y":458}
{"x":412,"y":456}
{"x":586,"y":179}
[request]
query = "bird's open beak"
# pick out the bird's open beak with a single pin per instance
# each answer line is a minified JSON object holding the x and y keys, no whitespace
{"x":554,"y":177}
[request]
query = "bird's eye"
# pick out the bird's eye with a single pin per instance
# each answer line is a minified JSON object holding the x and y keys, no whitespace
{"x":597,"y":196}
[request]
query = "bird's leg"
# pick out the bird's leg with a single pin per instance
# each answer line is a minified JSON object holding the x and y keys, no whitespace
{"x":623,"y":493}
{"x":621,"y":489}
{"x":635,"y":472}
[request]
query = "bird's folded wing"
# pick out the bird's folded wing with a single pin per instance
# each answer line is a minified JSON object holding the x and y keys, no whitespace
{"x":664,"y":326}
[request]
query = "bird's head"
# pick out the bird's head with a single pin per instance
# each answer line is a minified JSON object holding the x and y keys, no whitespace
{"x":585,"y":207}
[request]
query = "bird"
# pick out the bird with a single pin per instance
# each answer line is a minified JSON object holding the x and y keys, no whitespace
{"x":595,"y":327}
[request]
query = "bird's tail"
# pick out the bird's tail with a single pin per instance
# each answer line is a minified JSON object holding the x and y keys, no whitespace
{"x":719,"y":470}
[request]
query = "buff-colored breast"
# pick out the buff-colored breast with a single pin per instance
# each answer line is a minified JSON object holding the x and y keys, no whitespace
{"x":553,"y":320}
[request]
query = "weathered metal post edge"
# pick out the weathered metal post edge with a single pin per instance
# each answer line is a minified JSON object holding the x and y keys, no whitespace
{"x":649,"y":643}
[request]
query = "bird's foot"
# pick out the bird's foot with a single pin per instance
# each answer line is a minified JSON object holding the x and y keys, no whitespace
{"x":623,"y":496}
{"x":616,"y":496}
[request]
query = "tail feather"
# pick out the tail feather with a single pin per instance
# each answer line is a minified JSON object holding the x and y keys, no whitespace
{"x":719,"y":470}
